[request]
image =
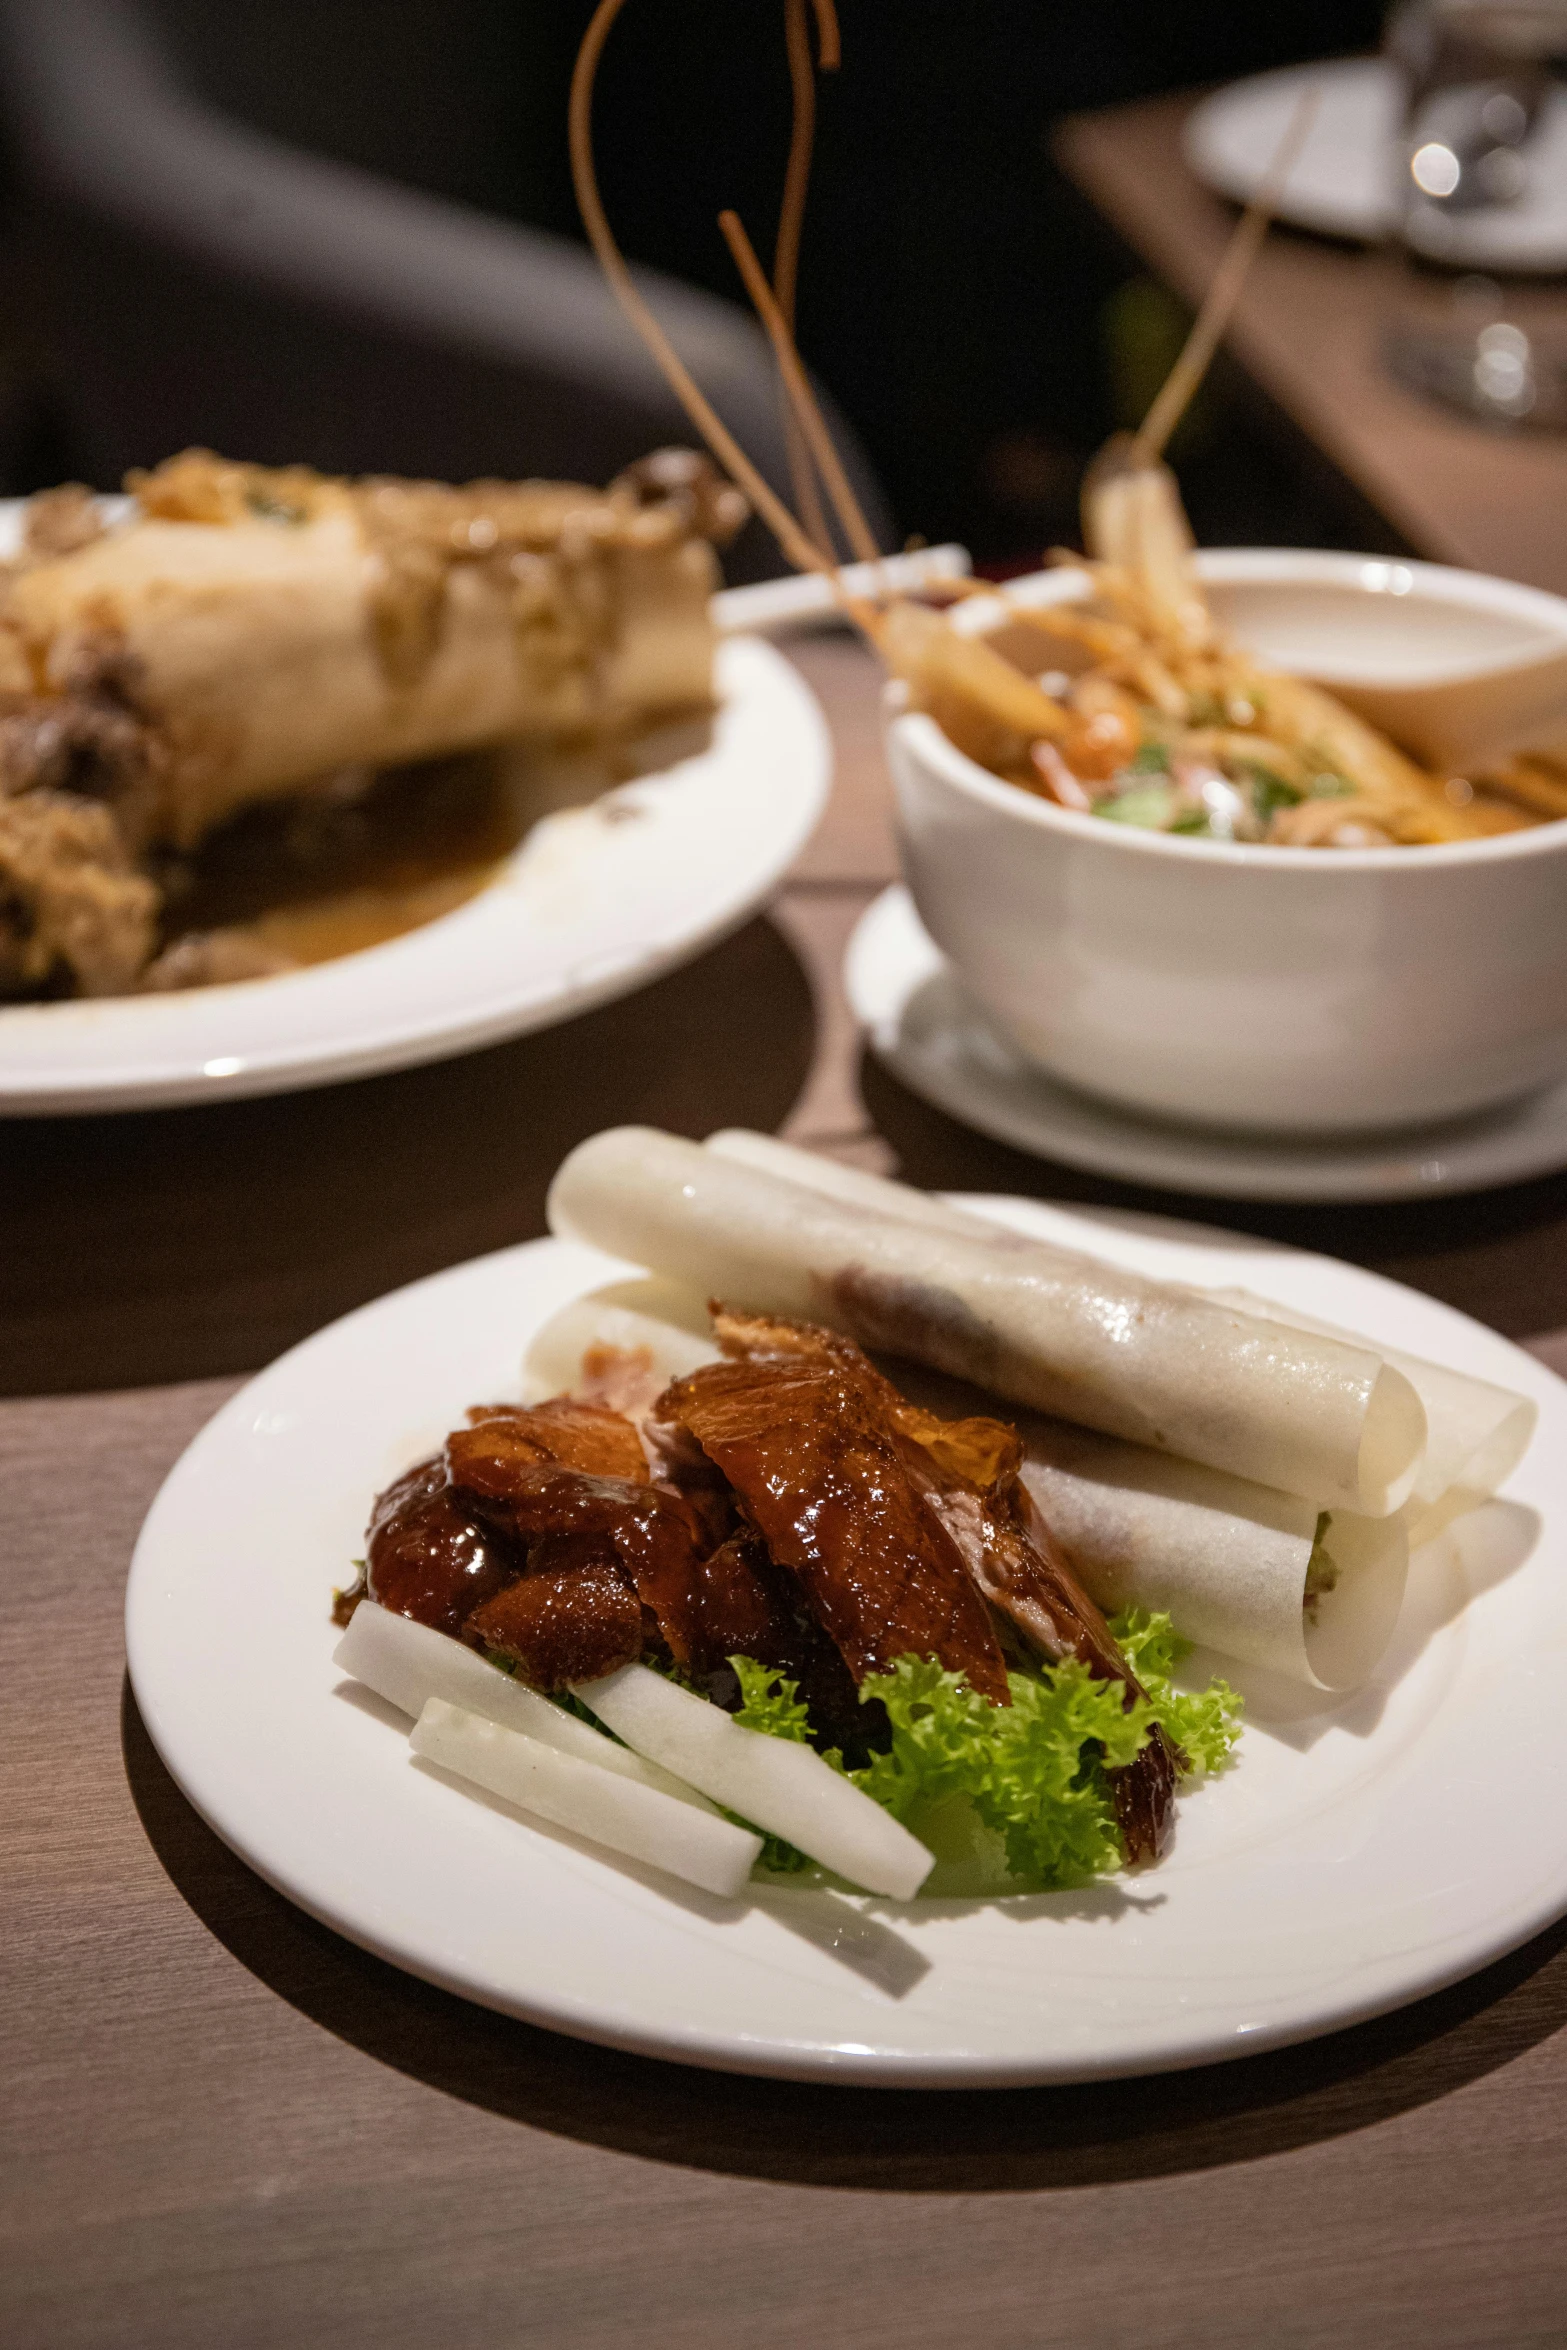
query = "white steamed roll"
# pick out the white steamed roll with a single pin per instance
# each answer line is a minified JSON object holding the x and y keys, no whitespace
{"x":1064,"y":1333}
{"x":1226,"y":1558}
{"x":1476,"y":1433}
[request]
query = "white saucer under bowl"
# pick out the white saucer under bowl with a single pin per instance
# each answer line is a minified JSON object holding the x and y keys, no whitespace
{"x":922,"y":1023}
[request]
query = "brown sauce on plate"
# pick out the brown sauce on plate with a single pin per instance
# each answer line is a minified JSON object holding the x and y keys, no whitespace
{"x":330,"y":872}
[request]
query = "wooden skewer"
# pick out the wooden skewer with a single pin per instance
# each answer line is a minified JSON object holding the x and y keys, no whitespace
{"x":786,"y":252}
{"x":1151,"y":437}
{"x":797,"y":384}
{"x":790,"y":536}
{"x":827,"y":36}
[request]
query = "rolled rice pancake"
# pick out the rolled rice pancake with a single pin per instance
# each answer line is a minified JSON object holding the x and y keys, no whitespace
{"x":1049,"y":1328}
{"x":1228,"y":1560}
{"x":1477,"y":1433}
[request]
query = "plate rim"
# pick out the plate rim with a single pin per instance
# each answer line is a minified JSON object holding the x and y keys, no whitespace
{"x":1359,"y":212}
{"x":1351,"y":1999}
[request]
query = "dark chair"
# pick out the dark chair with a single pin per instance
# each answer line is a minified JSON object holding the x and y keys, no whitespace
{"x":190,"y":279}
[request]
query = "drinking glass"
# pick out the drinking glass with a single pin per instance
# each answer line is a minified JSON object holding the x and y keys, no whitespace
{"x":1477,"y":317}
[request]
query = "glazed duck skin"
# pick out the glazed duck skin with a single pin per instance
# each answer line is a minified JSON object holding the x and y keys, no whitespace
{"x":427,"y":1557}
{"x":824,"y":1487}
{"x":576,"y":1472}
{"x":967,"y":1472}
{"x":781,"y":1525}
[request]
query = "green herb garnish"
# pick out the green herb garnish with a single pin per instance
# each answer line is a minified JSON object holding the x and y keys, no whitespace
{"x":1149,"y":805}
{"x":1017,"y":1797}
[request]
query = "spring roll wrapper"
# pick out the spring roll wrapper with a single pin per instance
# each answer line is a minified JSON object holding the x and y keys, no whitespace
{"x":1476,"y":1433}
{"x":255,"y":653}
{"x":1063,"y":1333}
{"x":852,"y":1185}
{"x":1226,"y":1559}
{"x":662,"y":1329}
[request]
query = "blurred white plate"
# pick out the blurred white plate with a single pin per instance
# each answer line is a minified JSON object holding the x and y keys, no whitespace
{"x":596,"y":901}
{"x":1342,"y":184}
{"x":1360,"y":1854}
{"x":923,"y":1023}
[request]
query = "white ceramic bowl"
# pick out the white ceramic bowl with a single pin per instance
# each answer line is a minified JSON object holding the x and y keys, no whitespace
{"x":1295,"y":990}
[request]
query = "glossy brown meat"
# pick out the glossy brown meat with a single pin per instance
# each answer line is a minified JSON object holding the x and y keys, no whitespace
{"x":707,"y":1597}
{"x":426,"y":1557}
{"x":817,"y":1471}
{"x":586,"y":1436}
{"x":1023,"y":1572}
{"x":966,"y":1472}
{"x":572,"y":1617}
{"x":506,"y":1484}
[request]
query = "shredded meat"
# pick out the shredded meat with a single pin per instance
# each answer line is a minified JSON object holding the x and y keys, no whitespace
{"x":88,"y":738}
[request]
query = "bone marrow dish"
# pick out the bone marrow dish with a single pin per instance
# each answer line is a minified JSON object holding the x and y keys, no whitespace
{"x":261,"y":719}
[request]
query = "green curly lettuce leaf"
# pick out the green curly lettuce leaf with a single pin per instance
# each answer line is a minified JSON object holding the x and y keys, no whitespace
{"x":770,"y":1703}
{"x":1032,"y":1772}
{"x":1204,"y":1723}
{"x":1011,"y":1798}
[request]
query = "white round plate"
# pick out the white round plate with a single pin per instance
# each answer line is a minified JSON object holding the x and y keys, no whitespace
{"x":923,"y":1023}
{"x":596,"y":901}
{"x":1361,"y":1852}
{"x":1342,"y":184}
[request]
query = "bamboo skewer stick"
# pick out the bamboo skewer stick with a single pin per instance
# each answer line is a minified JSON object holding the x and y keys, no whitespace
{"x":790,"y":536}
{"x":786,"y":252}
{"x":797,"y":386}
{"x":1218,"y":305}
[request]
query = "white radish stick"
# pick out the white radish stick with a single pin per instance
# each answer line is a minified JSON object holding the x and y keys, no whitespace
{"x":601,"y":1805}
{"x":409,"y":1663}
{"x":782,"y":1785}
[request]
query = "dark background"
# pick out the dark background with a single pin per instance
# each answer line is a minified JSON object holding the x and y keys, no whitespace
{"x":975,"y":322}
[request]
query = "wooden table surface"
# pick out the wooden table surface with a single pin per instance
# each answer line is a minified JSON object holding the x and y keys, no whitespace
{"x":1307,"y":330}
{"x":225,"y":2129}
